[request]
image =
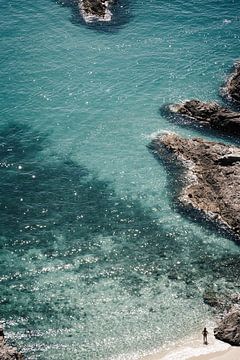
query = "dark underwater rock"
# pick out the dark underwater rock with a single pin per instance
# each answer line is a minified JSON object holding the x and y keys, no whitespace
{"x":96,"y":10}
{"x":210,"y":115}
{"x":228,"y":329}
{"x":209,"y":186}
{"x":212,"y":298}
{"x":232,"y":87}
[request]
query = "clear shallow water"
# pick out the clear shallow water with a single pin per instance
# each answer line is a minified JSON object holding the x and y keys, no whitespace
{"x":96,"y":263}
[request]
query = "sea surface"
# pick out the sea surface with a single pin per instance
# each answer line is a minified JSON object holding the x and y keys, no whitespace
{"x":96,"y":261}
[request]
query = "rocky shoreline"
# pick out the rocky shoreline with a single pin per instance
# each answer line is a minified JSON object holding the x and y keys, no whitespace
{"x":96,"y":10}
{"x":228,"y":329}
{"x":8,"y":352}
{"x":212,"y":174}
{"x":209,"y":115}
{"x":211,"y":181}
{"x":231,"y":90}
{"x":227,"y":306}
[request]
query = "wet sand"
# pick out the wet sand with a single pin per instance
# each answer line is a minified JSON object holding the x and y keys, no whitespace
{"x":193,"y":348}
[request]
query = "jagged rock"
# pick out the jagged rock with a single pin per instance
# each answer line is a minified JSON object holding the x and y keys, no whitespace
{"x":232,"y":87}
{"x":228,"y":329}
{"x":210,"y":115}
{"x":211,"y":187}
{"x":96,"y":10}
{"x":8,"y":352}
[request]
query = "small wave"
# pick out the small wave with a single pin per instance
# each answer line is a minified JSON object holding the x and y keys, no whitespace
{"x":157,"y":133}
{"x":227,"y":21}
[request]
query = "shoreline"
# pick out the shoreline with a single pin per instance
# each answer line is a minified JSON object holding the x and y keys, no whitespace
{"x":192,"y":348}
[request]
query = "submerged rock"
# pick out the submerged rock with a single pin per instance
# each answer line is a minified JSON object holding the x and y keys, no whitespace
{"x":210,"y":114}
{"x":210,"y":186}
{"x":220,"y":301}
{"x":96,"y":10}
{"x":232,"y":87}
{"x":212,"y":298}
{"x":8,"y":352}
{"x":228,"y":329}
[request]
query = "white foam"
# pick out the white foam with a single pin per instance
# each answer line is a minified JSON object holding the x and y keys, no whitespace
{"x":158,"y":133}
{"x":227,"y":21}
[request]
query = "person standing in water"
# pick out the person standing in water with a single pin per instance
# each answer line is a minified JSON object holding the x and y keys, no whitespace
{"x":205,"y":334}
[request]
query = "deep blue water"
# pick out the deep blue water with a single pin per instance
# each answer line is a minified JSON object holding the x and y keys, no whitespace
{"x":96,"y":261}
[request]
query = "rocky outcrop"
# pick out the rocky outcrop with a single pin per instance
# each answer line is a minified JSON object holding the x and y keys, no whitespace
{"x":211,"y":185}
{"x":210,"y":115}
{"x":232,"y":87}
{"x":228,"y":329}
{"x":96,"y":10}
{"x":8,"y":352}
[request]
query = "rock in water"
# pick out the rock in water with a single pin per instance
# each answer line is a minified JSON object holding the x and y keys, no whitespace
{"x":232,"y":87}
{"x":8,"y":352}
{"x":96,"y":10}
{"x":211,"y":184}
{"x":210,"y":114}
{"x":212,"y":298}
{"x":229,"y":328}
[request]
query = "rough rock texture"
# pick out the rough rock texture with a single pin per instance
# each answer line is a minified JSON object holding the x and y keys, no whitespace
{"x":96,"y":10}
{"x":211,"y":186}
{"x":232,"y":86}
{"x":9,"y":352}
{"x":228,"y":329}
{"x":210,"y":114}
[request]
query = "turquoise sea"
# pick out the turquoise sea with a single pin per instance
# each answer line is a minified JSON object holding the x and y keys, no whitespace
{"x":96,"y":261}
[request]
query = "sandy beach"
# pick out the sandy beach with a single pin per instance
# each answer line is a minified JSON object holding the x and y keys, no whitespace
{"x":192,"y":348}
